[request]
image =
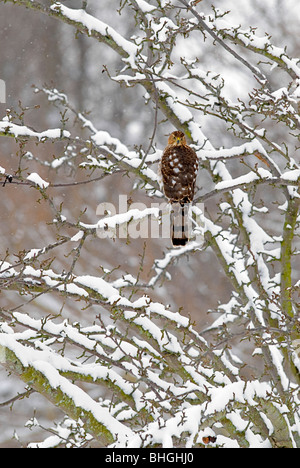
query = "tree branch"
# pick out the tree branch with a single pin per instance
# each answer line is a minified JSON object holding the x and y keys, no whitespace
{"x":286,"y":255}
{"x":83,"y":22}
{"x":62,"y":393}
{"x":256,"y":72}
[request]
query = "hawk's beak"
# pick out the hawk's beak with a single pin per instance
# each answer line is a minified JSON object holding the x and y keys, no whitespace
{"x":178,"y":141}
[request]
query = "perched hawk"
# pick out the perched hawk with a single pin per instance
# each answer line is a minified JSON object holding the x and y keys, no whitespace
{"x":177,"y":172}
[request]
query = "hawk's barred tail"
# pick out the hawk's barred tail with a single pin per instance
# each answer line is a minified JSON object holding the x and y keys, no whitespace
{"x":179,"y":224}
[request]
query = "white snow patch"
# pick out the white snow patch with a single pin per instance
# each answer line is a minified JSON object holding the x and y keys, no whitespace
{"x":37,"y":180}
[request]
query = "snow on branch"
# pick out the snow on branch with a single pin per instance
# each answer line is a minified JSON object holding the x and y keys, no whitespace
{"x":202,"y":399}
{"x":21,"y":131}
{"x":261,"y":176}
{"x":261,"y":45}
{"x":117,"y":152}
{"x":34,"y":367}
{"x":98,"y":29}
{"x":236,"y":151}
{"x":87,"y":24}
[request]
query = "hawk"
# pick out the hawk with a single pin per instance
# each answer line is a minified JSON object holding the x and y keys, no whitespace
{"x":177,"y":173}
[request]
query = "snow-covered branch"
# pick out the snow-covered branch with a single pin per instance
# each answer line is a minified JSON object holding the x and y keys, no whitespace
{"x":87,"y":24}
{"x":21,"y":131}
{"x":261,"y":176}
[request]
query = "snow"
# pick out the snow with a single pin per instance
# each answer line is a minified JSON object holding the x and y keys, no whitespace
{"x":100,"y":286}
{"x":249,"y":38}
{"x":6,"y":270}
{"x":145,"y":7}
{"x":182,"y":112}
{"x":120,"y":153}
{"x":220,"y":397}
{"x":23,"y":131}
{"x":77,"y":236}
{"x":220,"y":393}
{"x":102,"y":138}
{"x":259,"y":175}
{"x":277,"y":359}
{"x":161,"y":28}
{"x":237,"y":421}
{"x":37,"y":180}
{"x":110,"y":293}
{"x":126,"y":280}
{"x":244,"y":149}
{"x":293,"y":175}
{"x":79,"y":397}
{"x":32,"y":254}
{"x":244,"y":179}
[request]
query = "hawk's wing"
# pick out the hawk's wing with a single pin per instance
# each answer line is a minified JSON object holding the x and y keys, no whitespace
{"x":178,"y":168}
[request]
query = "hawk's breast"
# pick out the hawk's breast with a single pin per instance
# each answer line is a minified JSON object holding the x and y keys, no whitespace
{"x":179,"y":167}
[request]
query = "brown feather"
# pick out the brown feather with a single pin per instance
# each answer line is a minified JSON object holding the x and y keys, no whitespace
{"x":178,"y":169}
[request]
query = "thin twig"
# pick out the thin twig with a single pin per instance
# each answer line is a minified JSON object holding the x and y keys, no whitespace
{"x":216,"y":38}
{"x":20,"y":396}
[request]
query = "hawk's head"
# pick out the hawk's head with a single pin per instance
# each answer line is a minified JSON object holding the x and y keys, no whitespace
{"x":177,"y":138}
